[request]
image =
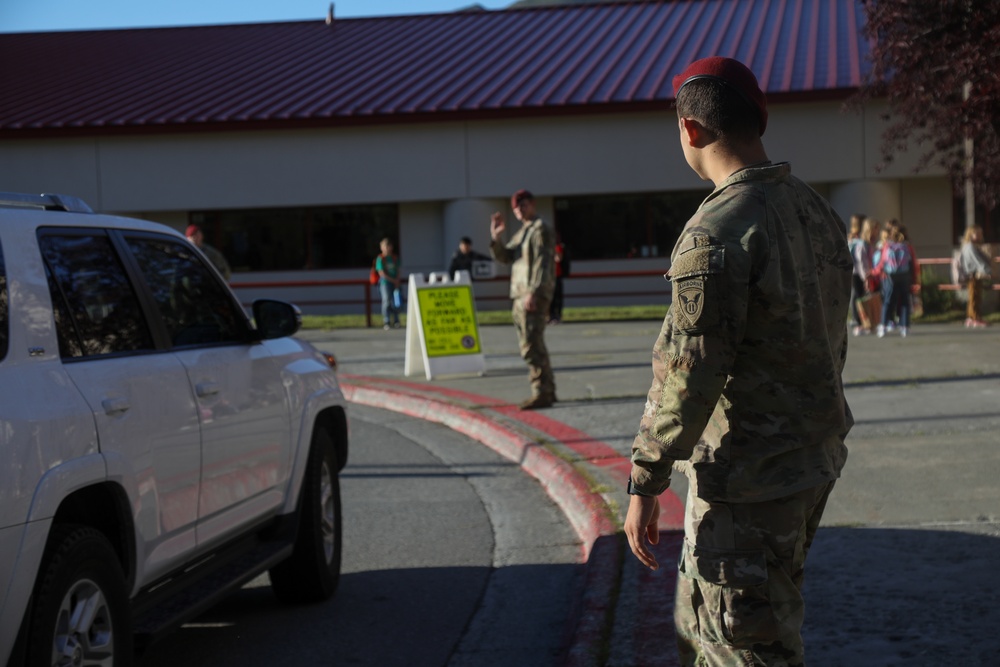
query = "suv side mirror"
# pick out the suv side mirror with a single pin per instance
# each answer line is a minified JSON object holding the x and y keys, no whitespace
{"x":276,"y":319}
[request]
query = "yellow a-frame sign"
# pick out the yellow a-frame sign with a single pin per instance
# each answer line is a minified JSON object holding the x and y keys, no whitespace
{"x":442,"y":333}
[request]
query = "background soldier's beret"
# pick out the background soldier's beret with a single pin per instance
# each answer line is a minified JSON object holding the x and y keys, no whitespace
{"x":520,"y":196}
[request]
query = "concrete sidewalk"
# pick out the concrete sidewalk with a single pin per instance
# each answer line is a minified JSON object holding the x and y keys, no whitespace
{"x":917,"y":401}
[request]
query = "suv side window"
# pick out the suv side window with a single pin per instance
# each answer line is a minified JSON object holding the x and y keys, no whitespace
{"x":95,"y":307}
{"x":4,"y":315}
{"x":196,"y":309}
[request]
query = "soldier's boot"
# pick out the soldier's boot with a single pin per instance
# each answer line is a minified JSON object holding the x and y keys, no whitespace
{"x":539,"y":401}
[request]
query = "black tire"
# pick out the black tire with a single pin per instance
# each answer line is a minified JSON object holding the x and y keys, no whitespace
{"x":80,"y":612}
{"x":312,"y":572}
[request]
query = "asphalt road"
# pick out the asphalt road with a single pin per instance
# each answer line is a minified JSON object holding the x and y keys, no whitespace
{"x":452,"y":556}
{"x":900,"y":568}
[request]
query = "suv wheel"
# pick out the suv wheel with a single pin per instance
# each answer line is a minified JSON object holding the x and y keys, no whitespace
{"x":80,"y":613}
{"x":312,"y":572}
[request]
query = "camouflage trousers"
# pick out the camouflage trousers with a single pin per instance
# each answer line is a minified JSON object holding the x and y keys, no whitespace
{"x":531,"y":340}
{"x":739,"y":590}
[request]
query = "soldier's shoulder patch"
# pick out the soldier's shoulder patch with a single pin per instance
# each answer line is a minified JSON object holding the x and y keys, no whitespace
{"x":689,"y":299}
{"x":693,"y":271}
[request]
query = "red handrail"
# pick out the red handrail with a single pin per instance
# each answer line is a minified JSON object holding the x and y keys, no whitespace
{"x":284,"y":284}
{"x":367,"y":288}
{"x":368,"y":301}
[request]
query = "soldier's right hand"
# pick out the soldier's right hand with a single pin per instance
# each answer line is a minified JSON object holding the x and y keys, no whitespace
{"x":497,"y":225}
{"x":641,"y":526}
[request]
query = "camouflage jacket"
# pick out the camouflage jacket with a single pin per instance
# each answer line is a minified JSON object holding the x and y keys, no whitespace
{"x":217,"y":259}
{"x":747,"y":394}
{"x":531,"y":254}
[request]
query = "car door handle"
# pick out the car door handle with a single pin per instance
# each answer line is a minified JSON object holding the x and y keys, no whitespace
{"x":206,"y":389}
{"x":115,"y":406}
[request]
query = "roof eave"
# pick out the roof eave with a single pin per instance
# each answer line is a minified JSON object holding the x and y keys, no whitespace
{"x":452,"y":116}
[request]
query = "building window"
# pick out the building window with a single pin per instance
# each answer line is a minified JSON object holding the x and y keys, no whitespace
{"x":619,"y":226}
{"x":300,"y":239}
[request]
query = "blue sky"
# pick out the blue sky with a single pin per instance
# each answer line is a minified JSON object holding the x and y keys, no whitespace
{"x":35,"y":15}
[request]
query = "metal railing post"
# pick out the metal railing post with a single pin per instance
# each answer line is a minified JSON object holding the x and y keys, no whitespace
{"x":368,"y":304}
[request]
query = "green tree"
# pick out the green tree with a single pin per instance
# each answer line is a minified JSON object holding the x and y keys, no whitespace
{"x":937,"y":62}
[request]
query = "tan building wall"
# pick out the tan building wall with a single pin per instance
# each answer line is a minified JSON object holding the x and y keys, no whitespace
{"x":430,"y":169}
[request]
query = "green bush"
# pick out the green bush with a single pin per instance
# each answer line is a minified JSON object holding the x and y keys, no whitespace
{"x":937,"y":301}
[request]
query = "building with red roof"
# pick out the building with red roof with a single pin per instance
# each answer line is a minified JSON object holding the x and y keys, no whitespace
{"x":298,"y":145}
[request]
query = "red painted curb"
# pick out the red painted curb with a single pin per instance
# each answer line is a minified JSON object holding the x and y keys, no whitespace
{"x":586,"y":510}
{"x":595,"y":452}
{"x":570,"y":491}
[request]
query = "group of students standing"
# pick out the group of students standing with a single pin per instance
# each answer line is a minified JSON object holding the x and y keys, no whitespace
{"x":884,"y":264}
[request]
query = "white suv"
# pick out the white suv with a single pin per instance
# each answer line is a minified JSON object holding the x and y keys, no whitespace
{"x":157,"y":448}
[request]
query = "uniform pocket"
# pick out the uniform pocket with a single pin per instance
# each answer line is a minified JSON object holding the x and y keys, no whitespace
{"x":695,"y":280}
{"x":735,"y":606}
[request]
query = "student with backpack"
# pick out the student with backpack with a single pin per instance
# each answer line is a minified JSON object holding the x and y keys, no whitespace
{"x":896,"y":268}
{"x":973,"y":269}
{"x":387,"y":268}
{"x":866,"y":293}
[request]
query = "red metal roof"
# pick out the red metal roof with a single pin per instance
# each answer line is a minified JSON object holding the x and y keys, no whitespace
{"x":590,"y":57}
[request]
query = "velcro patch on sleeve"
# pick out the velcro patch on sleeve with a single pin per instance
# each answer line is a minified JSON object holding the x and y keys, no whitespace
{"x":698,"y":262}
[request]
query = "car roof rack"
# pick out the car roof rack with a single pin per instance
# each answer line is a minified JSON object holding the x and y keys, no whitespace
{"x":48,"y":202}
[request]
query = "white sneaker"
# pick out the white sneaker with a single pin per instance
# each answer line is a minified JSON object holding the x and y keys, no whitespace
{"x":880,"y":332}
{"x":903,"y":331}
{"x":890,"y":326}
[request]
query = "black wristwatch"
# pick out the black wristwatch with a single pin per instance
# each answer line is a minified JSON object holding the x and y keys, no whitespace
{"x":632,"y":491}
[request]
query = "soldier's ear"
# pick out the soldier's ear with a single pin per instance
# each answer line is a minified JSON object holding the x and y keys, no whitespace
{"x":694,"y":133}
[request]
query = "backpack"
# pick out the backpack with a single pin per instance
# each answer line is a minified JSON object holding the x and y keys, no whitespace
{"x":852,"y":246}
{"x":897,"y":258}
{"x":373,"y":276}
{"x":958,"y":275}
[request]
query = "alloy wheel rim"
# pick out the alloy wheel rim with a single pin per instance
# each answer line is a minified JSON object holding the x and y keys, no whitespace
{"x":326,"y":511}
{"x":83,"y":631}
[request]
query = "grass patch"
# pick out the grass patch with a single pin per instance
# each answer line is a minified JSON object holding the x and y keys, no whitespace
{"x":652,"y":313}
{"x":941,"y":318}
{"x":494,"y":317}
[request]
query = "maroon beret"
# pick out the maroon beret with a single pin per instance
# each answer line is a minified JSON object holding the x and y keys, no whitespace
{"x":731,"y":72}
{"x":520,"y":196}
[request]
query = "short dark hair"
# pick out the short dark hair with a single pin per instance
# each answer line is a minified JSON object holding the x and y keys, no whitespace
{"x":721,"y":109}
{"x":466,"y":240}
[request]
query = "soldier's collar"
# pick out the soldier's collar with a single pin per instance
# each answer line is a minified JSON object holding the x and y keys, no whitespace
{"x":757,"y":171}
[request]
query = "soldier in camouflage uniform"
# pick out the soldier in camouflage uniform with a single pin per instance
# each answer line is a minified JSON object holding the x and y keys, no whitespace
{"x":531,"y":254}
{"x":747,"y":399}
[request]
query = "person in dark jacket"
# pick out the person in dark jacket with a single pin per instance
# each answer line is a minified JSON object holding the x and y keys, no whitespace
{"x":464,"y":257}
